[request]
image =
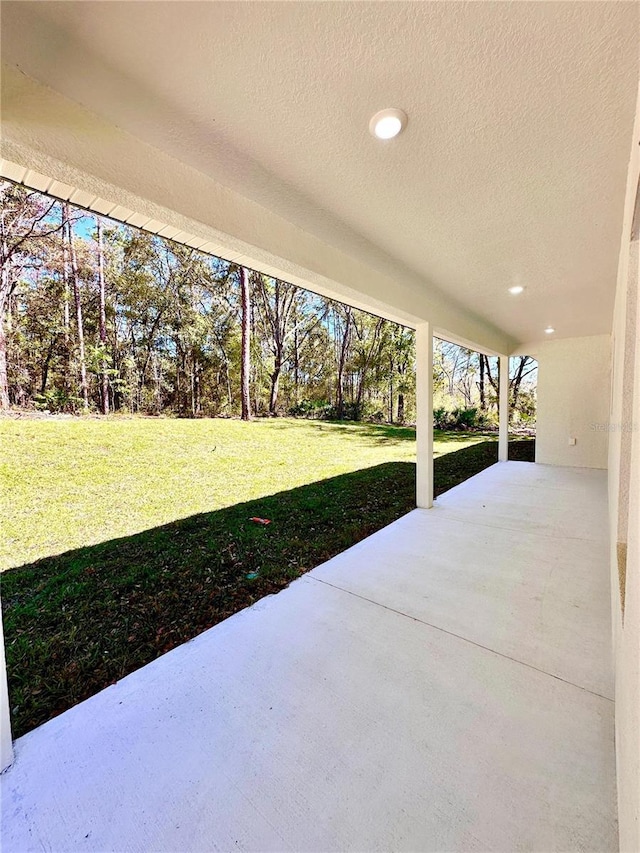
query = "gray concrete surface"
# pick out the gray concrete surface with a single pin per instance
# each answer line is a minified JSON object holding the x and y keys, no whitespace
{"x":443,"y":685}
{"x":513,"y":560}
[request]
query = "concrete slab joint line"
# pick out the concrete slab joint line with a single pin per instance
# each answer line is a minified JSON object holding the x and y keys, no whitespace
{"x":459,"y":636}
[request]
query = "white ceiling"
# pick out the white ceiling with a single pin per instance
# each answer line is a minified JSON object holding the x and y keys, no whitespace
{"x":512,"y":168}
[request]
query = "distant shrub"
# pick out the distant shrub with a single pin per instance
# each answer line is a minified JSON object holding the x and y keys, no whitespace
{"x":322,"y":410}
{"x":56,"y":400}
{"x":372,"y":414}
{"x":350,"y":412}
{"x":464,"y":418}
{"x":441,"y":418}
{"x":310,"y":409}
{"x":487,"y":420}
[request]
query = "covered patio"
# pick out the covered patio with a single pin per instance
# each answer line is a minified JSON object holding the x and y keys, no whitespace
{"x":444,"y":685}
{"x":448,"y":683}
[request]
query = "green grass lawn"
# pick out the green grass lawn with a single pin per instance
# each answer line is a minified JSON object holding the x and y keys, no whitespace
{"x":74,"y":482}
{"x":123,"y":538}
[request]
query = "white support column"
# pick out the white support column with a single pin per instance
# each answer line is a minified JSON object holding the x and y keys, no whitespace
{"x":6,"y":744}
{"x":424,"y":416}
{"x":503,"y":410}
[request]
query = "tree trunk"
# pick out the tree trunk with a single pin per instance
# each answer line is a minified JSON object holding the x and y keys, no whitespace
{"x":65,"y":276}
{"x":275,"y":382}
{"x":178,"y":389}
{"x":157,"y":379}
{"x":78,"y":303}
{"x":103,"y":320}
{"x":366,"y":363}
{"x":198,"y":388}
{"x":296,"y":365}
{"x":493,"y":381}
{"x":65,"y":272}
{"x":116,"y":365}
{"x":229,"y":394}
{"x":4,"y":381}
{"x":392,"y":368}
{"x":4,"y":303}
{"x":45,"y":367}
{"x":253,"y":372}
{"x":245,"y":366}
{"x":401,"y":408}
{"x":517,"y":380}
{"x":341,"y":364}
{"x":5,"y":290}
{"x":192,"y":377}
{"x":483,"y":397}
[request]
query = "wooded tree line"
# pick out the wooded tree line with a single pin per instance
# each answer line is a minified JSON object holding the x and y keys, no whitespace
{"x":100,"y":316}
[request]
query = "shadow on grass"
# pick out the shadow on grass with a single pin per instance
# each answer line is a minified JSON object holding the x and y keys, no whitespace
{"x":77,"y":622}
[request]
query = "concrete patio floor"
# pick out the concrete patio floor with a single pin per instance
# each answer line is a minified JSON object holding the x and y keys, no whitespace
{"x":444,"y":685}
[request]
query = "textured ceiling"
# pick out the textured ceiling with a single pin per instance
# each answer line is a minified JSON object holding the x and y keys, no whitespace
{"x":512,"y":168}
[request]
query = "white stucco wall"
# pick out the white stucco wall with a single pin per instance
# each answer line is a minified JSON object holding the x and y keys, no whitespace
{"x":624,"y":499}
{"x":573,"y":401}
{"x":627,"y":646}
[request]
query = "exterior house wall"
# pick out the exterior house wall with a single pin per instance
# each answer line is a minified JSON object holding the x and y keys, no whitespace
{"x":624,"y":511}
{"x":573,"y":401}
{"x":627,"y":640}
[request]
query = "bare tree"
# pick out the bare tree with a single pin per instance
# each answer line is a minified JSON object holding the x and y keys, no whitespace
{"x":403,"y":347}
{"x":524,"y":366}
{"x":481,"y":384}
{"x":493,"y":380}
{"x":276,"y":305}
{"x":524,"y":362}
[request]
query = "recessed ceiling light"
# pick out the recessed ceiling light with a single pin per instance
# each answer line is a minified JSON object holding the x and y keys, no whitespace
{"x":387,"y":123}
{"x":549,"y":330}
{"x":516,"y":289}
